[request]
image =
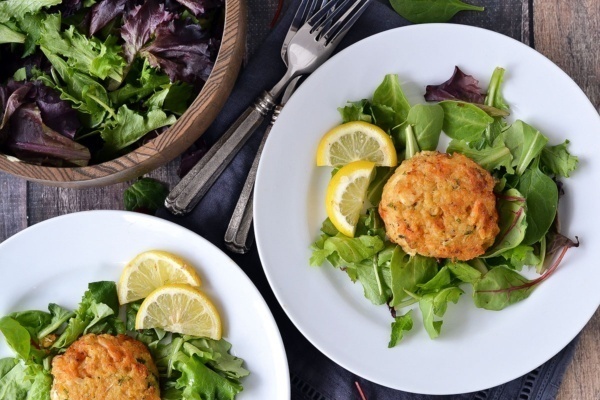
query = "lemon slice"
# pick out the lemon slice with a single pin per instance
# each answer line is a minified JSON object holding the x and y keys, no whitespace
{"x":346,"y":194}
{"x":355,"y":141}
{"x":181,"y":309}
{"x":151,"y":270}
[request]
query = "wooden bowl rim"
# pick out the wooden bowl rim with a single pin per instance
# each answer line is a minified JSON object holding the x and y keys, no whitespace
{"x":169,"y":144}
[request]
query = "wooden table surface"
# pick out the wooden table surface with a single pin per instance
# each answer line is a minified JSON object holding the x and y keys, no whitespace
{"x":567,"y":32}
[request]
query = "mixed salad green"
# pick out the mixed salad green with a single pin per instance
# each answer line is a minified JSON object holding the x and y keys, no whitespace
{"x":526,"y":168}
{"x":84,"y":81}
{"x":189,"y":367}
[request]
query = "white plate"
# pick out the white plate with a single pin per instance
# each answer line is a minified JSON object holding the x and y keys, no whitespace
{"x":477,"y":349}
{"x":53,"y":262}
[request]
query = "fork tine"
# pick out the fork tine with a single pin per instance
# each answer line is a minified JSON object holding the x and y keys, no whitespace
{"x":339,"y":29}
{"x":300,"y":16}
{"x":324,"y":13}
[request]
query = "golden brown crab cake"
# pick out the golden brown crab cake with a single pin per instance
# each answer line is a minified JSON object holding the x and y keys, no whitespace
{"x":440,"y":205}
{"x":105,"y":367}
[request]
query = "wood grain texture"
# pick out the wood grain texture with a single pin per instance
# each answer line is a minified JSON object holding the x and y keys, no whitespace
{"x":567,"y":32}
{"x":164,"y":148}
{"x":13,"y":205}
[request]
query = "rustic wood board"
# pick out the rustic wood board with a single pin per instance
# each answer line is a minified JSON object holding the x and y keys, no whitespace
{"x":564,"y":31}
{"x":567,"y":32}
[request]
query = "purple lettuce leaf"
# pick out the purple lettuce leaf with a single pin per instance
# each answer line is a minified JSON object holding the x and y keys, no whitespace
{"x":181,"y":50}
{"x":140,"y":24}
{"x":33,"y":141}
{"x":199,"y":7}
{"x":191,"y":156}
{"x":15,"y":99}
{"x":104,"y":12}
{"x":459,"y":87}
{"x":66,"y":8}
{"x":56,"y":113}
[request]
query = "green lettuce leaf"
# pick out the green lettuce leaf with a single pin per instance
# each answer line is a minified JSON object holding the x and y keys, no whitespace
{"x":434,"y":305}
{"x":389,"y":93}
{"x":407,"y":272}
{"x":557,"y":161}
{"x":525,"y":143}
{"x":492,"y":157}
{"x":401,"y":324}
{"x":129,"y":126}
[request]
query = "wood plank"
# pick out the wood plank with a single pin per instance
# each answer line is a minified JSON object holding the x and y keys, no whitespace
{"x":47,"y":202}
{"x":13,"y":205}
{"x":566,"y":32}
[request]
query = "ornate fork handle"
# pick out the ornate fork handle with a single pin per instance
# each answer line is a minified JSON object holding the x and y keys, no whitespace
{"x":190,"y":190}
{"x":237,"y":236}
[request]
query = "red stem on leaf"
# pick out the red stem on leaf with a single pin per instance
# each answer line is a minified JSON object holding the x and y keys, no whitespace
{"x":360,"y":392}
{"x":534,"y":282}
{"x":277,"y":14}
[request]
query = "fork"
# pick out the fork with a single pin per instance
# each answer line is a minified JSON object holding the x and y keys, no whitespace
{"x":237,"y":237}
{"x":308,"y":49}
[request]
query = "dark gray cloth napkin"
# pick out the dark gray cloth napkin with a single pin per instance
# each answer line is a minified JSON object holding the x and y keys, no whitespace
{"x":313,"y":375}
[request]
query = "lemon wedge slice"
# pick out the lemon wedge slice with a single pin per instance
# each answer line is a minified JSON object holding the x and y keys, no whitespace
{"x":181,"y":309}
{"x":346,"y":195}
{"x":151,"y":270}
{"x":356,"y":141}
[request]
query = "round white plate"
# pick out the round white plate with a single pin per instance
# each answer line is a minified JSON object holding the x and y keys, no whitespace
{"x":477,"y":349}
{"x":53,"y":262}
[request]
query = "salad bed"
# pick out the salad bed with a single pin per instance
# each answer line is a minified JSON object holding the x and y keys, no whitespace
{"x":86,"y":81}
{"x":526,"y":169}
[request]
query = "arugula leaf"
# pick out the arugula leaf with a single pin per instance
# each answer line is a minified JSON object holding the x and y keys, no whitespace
{"x":434,"y":305}
{"x":146,"y":195}
{"x":401,"y":324}
{"x":59,"y":316}
{"x":520,"y":256}
{"x":464,"y":272}
{"x":513,"y":222}
{"x":172,"y":97}
{"x":525,"y":143}
{"x":99,"y":304}
{"x":356,"y":111}
{"x":389,"y":93}
{"x":426,"y":11}
{"x":464,"y":121}
{"x":490,"y":158}
{"x":494,"y":96}
{"x":542,"y":202}
{"x":412,"y":147}
{"x":441,"y":280}
{"x":409,"y":271}
{"x":128,"y":127}
{"x":372,"y":277}
{"x":557,"y":161}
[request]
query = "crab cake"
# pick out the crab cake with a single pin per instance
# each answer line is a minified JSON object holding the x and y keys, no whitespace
{"x":440,"y":205}
{"x":105,"y":367}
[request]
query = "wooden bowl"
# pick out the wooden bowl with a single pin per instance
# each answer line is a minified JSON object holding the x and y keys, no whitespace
{"x":169,"y":144}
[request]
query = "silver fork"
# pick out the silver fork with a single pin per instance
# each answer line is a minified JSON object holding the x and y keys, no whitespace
{"x":309,"y":48}
{"x":237,"y":237}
